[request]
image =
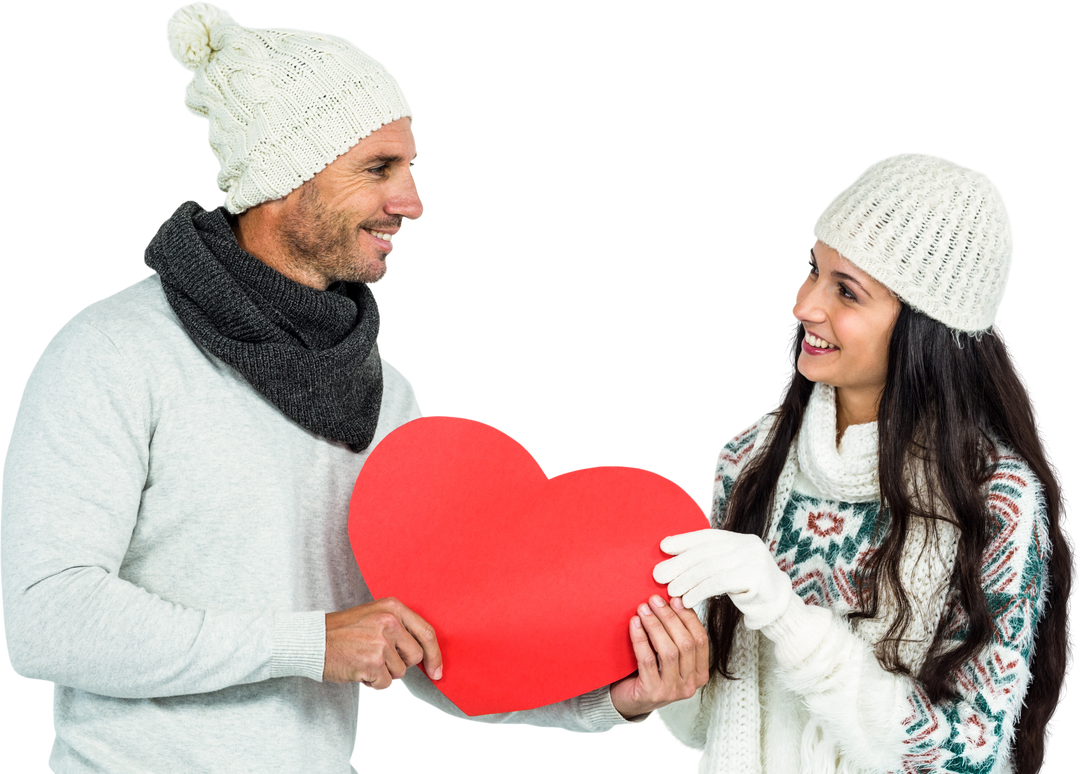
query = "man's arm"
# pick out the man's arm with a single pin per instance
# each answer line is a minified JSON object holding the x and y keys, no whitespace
{"x":73,"y":482}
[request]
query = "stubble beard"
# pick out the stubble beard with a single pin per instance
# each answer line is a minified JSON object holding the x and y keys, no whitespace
{"x":327,"y":242}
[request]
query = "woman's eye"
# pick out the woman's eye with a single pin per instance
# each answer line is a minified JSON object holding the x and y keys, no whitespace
{"x":845,"y":293}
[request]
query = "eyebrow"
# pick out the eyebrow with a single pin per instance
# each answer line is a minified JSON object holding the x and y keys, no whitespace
{"x":382,"y":158}
{"x":844,"y":276}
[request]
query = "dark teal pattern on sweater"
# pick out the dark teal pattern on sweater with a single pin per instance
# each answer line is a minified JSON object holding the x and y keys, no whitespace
{"x":820,"y":544}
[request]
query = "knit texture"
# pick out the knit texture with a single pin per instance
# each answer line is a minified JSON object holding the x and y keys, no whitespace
{"x":170,"y":542}
{"x":932,"y":232}
{"x":282,"y":104}
{"x":850,"y":468}
{"x":311,"y":353}
{"x":813,"y":697}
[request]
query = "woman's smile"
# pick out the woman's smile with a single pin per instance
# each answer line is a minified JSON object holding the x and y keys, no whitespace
{"x":814,"y":345}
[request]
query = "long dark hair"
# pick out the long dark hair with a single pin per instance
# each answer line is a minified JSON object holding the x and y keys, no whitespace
{"x":945,"y":401}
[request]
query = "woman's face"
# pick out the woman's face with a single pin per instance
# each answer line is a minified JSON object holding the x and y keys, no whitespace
{"x":848,"y":319}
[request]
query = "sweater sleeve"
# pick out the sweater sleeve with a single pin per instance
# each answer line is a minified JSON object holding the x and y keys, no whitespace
{"x":590,"y":712}
{"x":73,"y":481}
{"x":886,"y":722}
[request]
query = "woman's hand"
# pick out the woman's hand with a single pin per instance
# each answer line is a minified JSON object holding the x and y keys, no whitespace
{"x":711,"y":562}
{"x":672,"y":650}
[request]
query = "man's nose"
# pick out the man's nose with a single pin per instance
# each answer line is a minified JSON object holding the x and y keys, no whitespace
{"x":406,"y":201}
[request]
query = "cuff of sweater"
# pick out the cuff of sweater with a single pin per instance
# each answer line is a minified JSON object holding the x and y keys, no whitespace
{"x":799,"y":632}
{"x":299,"y":645}
{"x":599,"y":714}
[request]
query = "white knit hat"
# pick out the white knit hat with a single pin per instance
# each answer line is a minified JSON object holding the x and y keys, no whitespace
{"x":933,"y":233}
{"x":282,"y":104}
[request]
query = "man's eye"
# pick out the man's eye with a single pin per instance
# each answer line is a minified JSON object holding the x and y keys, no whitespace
{"x":381,"y":168}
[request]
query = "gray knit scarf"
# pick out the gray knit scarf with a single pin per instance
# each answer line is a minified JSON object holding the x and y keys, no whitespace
{"x":311,"y":353}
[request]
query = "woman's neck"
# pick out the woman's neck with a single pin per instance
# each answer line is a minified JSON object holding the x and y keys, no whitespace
{"x":854,"y":408}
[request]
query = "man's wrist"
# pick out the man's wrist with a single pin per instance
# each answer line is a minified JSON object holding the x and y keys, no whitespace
{"x":628,"y":711}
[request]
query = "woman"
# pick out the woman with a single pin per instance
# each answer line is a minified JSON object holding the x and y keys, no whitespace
{"x":887,"y":580}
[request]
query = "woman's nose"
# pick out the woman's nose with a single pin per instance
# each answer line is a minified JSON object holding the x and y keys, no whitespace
{"x":801,"y":300}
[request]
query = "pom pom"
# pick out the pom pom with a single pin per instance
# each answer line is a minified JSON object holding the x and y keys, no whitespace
{"x":191,"y":30}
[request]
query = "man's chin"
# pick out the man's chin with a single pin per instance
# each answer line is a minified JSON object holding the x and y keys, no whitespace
{"x":381,"y":277}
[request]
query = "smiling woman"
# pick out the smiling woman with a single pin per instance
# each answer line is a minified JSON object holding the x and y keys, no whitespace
{"x":847,"y":317}
{"x":887,"y":575}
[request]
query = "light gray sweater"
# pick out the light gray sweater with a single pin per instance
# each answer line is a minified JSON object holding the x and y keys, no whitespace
{"x":170,"y":542}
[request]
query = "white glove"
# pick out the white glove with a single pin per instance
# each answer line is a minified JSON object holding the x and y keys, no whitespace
{"x":711,"y":562}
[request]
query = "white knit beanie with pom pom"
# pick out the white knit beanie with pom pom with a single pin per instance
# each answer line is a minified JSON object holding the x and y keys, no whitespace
{"x":282,"y":104}
{"x":932,"y":232}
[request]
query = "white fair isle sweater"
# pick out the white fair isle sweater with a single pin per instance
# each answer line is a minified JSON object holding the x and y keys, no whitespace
{"x":170,"y":542}
{"x":812,"y":698}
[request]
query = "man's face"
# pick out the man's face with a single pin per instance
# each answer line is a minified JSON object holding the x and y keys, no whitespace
{"x":338,"y":225}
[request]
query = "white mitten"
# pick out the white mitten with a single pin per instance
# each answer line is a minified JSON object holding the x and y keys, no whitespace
{"x":711,"y":562}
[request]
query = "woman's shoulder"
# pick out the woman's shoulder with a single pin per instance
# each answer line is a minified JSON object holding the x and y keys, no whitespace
{"x":733,"y":460}
{"x":1012,"y":484}
{"x":1014,"y":499}
{"x":736,"y":452}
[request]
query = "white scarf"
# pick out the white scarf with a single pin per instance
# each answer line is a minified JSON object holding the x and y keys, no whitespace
{"x":847,"y":473}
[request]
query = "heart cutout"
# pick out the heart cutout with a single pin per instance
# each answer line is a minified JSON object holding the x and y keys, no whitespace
{"x":530,"y":583}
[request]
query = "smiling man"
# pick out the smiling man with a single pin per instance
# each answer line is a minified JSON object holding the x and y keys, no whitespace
{"x":338,"y":226}
{"x":175,"y":552}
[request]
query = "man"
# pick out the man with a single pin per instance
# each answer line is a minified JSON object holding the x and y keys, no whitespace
{"x":177,"y":486}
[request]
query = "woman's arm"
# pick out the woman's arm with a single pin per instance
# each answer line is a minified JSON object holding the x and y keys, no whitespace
{"x":885,"y":721}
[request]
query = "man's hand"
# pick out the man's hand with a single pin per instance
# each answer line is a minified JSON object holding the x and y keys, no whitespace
{"x":375,"y":643}
{"x":672,"y":649}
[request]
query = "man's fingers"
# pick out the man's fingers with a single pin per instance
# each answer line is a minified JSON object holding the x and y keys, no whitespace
{"x":646,"y":659}
{"x":661,"y":659}
{"x":377,"y":642}
{"x":697,"y":631}
{"x":392,"y":644}
{"x":380,"y":680}
{"x":424,"y":635}
{"x":679,"y":636}
{"x":667,"y":652}
{"x":687,"y":615}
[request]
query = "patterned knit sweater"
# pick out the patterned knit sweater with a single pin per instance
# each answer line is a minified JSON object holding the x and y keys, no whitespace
{"x":812,"y":696}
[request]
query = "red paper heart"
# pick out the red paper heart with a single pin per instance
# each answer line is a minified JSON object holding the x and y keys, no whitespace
{"x":530,"y":583}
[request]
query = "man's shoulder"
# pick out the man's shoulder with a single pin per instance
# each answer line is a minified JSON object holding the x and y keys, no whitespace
{"x":106,"y":355}
{"x":398,"y":401}
{"x":393,"y":377}
{"x":138,"y":324}
{"x":131,"y":312}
